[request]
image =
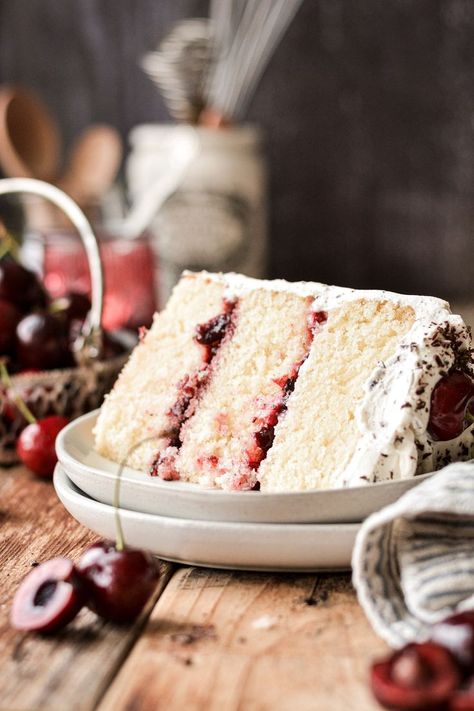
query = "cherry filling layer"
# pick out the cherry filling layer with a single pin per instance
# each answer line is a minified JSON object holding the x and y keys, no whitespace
{"x":272,"y":411}
{"x":210,"y":336}
{"x":211,"y":333}
{"x":267,"y":421}
{"x":316,"y":321}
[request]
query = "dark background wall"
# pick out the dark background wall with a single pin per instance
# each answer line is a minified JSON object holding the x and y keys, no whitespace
{"x":368,"y":108}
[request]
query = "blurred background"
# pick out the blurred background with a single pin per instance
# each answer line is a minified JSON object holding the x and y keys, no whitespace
{"x":366,"y":120}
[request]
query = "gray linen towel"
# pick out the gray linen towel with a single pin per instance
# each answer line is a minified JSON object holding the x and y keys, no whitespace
{"x":413,"y":561}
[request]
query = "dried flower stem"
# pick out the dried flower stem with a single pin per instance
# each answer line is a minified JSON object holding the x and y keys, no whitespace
{"x":19,"y":402}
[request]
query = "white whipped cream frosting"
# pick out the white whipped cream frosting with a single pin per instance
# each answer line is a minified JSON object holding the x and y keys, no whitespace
{"x":394,"y":412}
{"x":393,"y":415}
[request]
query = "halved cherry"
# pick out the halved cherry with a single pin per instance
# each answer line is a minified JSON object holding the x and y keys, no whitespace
{"x":48,"y":598}
{"x":418,"y":677}
{"x":450,"y":401}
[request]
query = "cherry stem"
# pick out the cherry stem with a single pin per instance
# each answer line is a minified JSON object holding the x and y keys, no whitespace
{"x":19,"y":402}
{"x":8,"y":244}
{"x":119,"y":537}
{"x":54,"y":308}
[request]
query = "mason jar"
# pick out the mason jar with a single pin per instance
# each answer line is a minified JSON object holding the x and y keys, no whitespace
{"x":216,"y":219}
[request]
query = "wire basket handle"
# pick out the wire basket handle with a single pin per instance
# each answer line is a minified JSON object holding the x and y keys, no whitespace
{"x":90,"y":345}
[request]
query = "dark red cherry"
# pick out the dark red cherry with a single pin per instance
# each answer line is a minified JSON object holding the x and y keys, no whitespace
{"x":74,"y":306}
{"x":36,"y":445}
{"x":9,"y":318}
{"x":418,"y":677}
{"x":463,"y":699}
{"x":118,"y":582}
{"x":456,"y":633}
{"x":48,"y":598}
{"x":20,"y":286}
{"x":42,"y":342}
{"x":450,"y":401}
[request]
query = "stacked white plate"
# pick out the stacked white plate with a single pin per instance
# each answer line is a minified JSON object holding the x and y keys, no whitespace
{"x":183,"y":522}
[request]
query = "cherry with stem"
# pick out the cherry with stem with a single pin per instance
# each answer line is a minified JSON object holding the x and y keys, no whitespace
{"x":36,"y":443}
{"x":119,"y":580}
{"x":112,"y":579}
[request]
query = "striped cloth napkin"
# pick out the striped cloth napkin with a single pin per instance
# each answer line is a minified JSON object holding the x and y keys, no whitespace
{"x":413,"y":561}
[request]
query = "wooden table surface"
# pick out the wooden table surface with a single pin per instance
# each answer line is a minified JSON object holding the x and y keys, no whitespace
{"x":211,"y":640}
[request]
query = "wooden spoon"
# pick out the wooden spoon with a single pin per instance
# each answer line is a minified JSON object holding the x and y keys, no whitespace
{"x":29,"y":138}
{"x":93,"y":164}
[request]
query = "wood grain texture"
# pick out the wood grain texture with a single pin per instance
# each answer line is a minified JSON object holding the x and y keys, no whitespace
{"x":69,"y":670}
{"x":215,"y":640}
{"x":221,"y":641}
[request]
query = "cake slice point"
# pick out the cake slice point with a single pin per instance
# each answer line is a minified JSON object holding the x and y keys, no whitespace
{"x":140,"y":417}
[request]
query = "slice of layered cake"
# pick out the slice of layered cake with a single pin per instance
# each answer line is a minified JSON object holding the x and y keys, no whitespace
{"x":243,"y":384}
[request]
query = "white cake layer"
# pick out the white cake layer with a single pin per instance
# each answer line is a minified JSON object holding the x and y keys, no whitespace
{"x":356,"y":414}
{"x":134,"y":415}
{"x":271,"y":335}
{"x":317,"y":437}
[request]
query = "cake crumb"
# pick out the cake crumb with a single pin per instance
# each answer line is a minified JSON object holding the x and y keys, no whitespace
{"x":193,"y":634}
{"x":265,"y":622}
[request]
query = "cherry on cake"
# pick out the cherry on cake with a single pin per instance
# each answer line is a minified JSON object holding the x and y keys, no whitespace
{"x":244,"y":384}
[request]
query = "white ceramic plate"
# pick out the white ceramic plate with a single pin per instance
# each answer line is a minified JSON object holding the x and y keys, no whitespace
{"x":96,"y":476}
{"x":246,"y":546}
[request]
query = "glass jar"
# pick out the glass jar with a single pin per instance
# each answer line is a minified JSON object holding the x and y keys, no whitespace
{"x":52,"y":248}
{"x":216,"y":219}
